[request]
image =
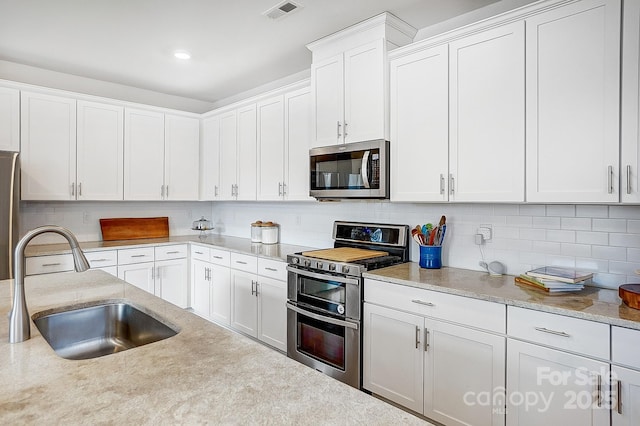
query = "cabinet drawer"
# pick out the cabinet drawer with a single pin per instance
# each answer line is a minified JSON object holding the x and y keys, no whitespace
{"x":272,"y":268}
{"x":244,"y":262}
{"x":137,"y":255}
{"x":220,"y":257}
{"x":625,"y":347}
{"x":101,"y":259}
{"x":200,"y":253}
{"x":177,"y":251}
{"x":463,"y":310}
{"x":571,"y":334}
{"x":49,"y":264}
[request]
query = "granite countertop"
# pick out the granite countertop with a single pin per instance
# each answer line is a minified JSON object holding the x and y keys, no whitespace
{"x":594,"y":304}
{"x":204,"y":374}
{"x":235,"y":244}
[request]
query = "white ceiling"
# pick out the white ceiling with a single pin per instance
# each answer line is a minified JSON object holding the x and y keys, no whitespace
{"x":234,"y":47}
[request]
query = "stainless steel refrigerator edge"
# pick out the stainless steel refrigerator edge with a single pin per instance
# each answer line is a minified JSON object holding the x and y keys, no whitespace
{"x":9,"y":205}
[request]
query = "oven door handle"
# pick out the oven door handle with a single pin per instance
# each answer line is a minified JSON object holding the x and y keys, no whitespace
{"x":321,"y":317}
{"x":323,"y":277}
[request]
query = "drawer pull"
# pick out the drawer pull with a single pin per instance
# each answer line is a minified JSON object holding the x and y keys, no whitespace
{"x":557,"y":333}
{"x":421,"y":302}
{"x":139,"y":255}
{"x":173,"y":252}
{"x":271,"y":269}
{"x":100,"y":260}
{"x":241,"y":262}
{"x":199,"y":252}
{"x":52,"y":264}
{"x":219,"y":257}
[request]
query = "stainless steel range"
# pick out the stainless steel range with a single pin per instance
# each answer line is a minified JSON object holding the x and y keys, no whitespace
{"x":325,"y":295}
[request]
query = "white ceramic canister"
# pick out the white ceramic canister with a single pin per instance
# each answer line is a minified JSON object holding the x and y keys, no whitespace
{"x":256,"y":232}
{"x":269,"y":233}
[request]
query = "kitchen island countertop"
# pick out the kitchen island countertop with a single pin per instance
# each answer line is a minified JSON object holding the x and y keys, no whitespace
{"x":594,"y":304}
{"x":204,"y":374}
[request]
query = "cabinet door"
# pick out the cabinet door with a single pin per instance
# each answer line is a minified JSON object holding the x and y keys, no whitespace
{"x":392,"y":355}
{"x":461,"y":367}
{"x":139,"y":275}
{"x":271,"y":148}
{"x":181,"y":160}
{"x":247,"y":158}
{"x":244,"y":303}
{"x":9,"y":119}
{"x":100,"y":158}
{"x":200,"y":288}
{"x":487,"y":101}
{"x":143,"y":155}
{"x":48,"y":152}
{"x":365,"y":93}
{"x":630,"y":113}
{"x":228,"y":155}
{"x":419,"y":126}
{"x":573,"y":65}
{"x":272,"y":312}
{"x":172,"y":281}
{"x":210,"y":159}
{"x":327,"y":85}
{"x":550,"y":387}
{"x":297,"y":125}
{"x":220,"y":278}
{"x":626,"y":396}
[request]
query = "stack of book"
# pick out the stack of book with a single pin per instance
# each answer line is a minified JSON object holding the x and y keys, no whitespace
{"x":552,"y":279}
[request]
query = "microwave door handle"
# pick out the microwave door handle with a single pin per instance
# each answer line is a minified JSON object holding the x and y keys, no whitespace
{"x":364,"y":170}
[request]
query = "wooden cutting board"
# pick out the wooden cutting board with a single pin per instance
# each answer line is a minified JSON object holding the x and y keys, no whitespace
{"x":344,"y":254}
{"x":134,"y":228}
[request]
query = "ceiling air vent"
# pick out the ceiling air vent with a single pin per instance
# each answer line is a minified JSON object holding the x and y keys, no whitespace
{"x":282,"y":9}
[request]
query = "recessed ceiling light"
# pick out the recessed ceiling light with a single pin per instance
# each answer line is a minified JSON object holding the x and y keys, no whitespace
{"x":182,"y":54}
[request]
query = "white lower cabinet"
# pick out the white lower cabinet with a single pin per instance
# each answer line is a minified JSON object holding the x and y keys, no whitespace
{"x":272,"y":312}
{"x":171,"y":281}
{"x":445,"y":371}
{"x":549,"y":387}
{"x":244,"y":306}
{"x":104,"y":260}
{"x":140,"y":275}
{"x":625,"y":390}
{"x":200,"y":288}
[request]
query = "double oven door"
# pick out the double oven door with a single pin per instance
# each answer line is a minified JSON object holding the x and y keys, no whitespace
{"x":323,"y":323}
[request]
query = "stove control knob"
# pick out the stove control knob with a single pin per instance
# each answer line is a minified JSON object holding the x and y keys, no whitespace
{"x":341,"y":309}
{"x":319,"y":265}
{"x":345,"y":269}
{"x":332,"y":266}
{"x":295,"y":260}
{"x":307,"y":263}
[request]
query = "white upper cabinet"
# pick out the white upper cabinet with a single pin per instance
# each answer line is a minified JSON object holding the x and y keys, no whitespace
{"x":210,"y":159}
{"x":486,"y":107}
{"x":100,"y":151}
{"x":419,"y":125}
{"x":573,"y":67}
{"x":9,"y":119}
{"x":247,"y":157}
{"x":48,"y":153}
{"x":270,"y":148}
{"x":349,"y":81}
{"x":181,"y":157}
{"x":297,"y":125}
{"x":630,"y":137}
{"x":144,"y":155}
{"x":228,"y":155}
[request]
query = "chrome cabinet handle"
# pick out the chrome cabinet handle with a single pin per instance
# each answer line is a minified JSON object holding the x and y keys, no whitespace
{"x":452,"y":182}
{"x":271,"y":269}
{"x":598,"y":395}
{"x":610,"y":177}
{"x":422,"y":302}
{"x":100,"y":260}
{"x":52,"y":264}
{"x":280,"y":189}
{"x":426,"y":340}
{"x":173,"y":252}
{"x":138,"y":255}
{"x":441,"y":184}
{"x":628,"y":179}
{"x":252,"y":290}
{"x":167,"y":191}
{"x":73,"y":189}
{"x":80,"y":189}
{"x":241,"y":262}
{"x":339,"y":135}
{"x":215,"y":191}
{"x":284,"y":189}
{"x":162,"y":191}
{"x":554,"y":332}
{"x":345,"y":129}
{"x":417,"y":336}
{"x":217,"y":257}
{"x":199,"y":252}
{"x":619,"y":397}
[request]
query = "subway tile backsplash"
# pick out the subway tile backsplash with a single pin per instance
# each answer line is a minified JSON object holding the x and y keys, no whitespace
{"x":603,"y":239}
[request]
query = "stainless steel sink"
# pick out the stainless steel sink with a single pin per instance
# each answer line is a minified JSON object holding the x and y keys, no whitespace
{"x":94,"y":331}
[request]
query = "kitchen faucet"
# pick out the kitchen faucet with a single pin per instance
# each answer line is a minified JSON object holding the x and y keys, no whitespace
{"x":19,"y":325}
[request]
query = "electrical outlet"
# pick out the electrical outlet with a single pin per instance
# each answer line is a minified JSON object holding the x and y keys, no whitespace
{"x":485,"y":231}
{"x":85,"y":218}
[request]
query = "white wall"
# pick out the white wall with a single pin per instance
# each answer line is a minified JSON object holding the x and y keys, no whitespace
{"x":587,"y":237}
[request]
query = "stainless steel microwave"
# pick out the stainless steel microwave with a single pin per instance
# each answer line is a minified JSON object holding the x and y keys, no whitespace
{"x":352,"y":170}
